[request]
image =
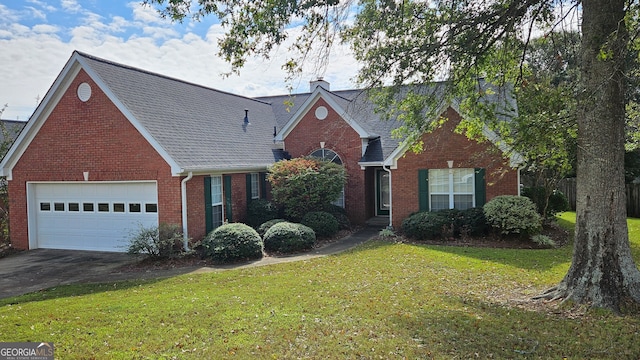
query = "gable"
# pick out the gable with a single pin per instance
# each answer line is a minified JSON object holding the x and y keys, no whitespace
{"x":92,"y":136}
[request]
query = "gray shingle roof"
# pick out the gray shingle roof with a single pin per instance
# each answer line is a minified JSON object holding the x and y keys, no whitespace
{"x":200,"y":128}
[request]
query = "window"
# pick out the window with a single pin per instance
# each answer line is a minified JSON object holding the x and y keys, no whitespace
{"x":134,"y":208}
{"x":45,"y":206}
{"x":451,"y":189}
{"x":58,"y":206}
{"x":151,"y":208}
{"x":255,"y":186}
{"x":118,"y":207}
{"x":103,"y":207}
{"x":216,"y":201}
{"x":88,"y":207}
{"x":74,"y":207}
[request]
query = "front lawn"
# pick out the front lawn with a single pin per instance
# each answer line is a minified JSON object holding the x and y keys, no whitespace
{"x":380,"y":301}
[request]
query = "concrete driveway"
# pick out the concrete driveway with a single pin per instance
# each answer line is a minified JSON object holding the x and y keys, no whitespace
{"x":39,"y":269}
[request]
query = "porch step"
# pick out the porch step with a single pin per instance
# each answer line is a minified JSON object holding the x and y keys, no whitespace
{"x":380,"y":222}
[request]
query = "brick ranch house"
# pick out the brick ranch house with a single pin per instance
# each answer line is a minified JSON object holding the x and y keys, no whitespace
{"x":112,"y":147}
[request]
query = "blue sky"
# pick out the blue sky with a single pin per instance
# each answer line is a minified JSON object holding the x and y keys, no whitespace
{"x":37,"y":37}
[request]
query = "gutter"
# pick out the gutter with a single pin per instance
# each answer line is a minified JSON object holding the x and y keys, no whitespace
{"x":390,"y":226}
{"x":185,"y":228}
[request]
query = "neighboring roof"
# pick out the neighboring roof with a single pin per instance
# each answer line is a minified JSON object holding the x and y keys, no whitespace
{"x":13,"y":129}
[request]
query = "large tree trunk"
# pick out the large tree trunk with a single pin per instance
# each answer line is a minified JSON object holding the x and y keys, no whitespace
{"x":602,"y":273}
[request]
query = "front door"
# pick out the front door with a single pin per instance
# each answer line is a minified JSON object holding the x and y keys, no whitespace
{"x":383,"y":198}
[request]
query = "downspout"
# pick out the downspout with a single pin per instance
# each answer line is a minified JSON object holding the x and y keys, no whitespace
{"x":390,"y":226}
{"x":185,"y":228}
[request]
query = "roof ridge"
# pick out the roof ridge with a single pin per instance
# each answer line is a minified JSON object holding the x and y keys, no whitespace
{"x":151,"y":73}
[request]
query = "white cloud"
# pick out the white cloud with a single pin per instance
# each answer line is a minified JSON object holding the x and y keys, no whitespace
{"x":71,"y":6}
{"x":45,"y":29}
{"x":37,"y":13}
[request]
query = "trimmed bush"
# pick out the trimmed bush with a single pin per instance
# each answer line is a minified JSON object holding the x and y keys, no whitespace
{"x":558,"y":202}
{"x":262,"y":229}
{"x":163,"y":241}
{"x":286,"y":237}
{"x":340,"y":214}
{"x":511,"y":214}
{"x":259,"y":211}
{"x":473,"y":222}
{"x":322,"y":223}
{"x":233,"y":242}
{"x":425,"y":225}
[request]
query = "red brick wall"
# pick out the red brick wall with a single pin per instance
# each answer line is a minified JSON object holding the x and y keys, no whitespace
{"x":96,"y":137}
{"x":339,"y":137}
{"x":440,"y":146}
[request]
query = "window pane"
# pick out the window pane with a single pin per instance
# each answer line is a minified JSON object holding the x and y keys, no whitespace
{"x":45,"y":206}
{"x":439,"y":181}
{"x":217,"y":216}
{"x":58,"y":206}
{"x":255,"y":186}
{"x":103,"y":207}
{"x":74,"y":207}
{"x":151,"y":208}
{"x":439,"y":202}
{"x":463,"y":181}
{"x":118,"y":207}
{"x":216,"y":190}
{"x":134,"y":208}
{"x":87,"y":207}
{"x":462,"y":202}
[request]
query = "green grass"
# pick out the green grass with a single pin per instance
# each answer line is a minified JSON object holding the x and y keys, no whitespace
{"x":379,"y":301}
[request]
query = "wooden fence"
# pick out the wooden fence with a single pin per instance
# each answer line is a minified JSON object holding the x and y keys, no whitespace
{"x":568,"y":187}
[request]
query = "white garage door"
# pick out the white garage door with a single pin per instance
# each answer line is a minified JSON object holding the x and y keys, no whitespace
{"x":90,"y":216}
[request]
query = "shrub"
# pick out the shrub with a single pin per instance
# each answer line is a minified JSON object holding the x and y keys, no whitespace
{"x":340,"y":214}
{"x":513,"y":215}
{"x":543,"y":240}
{"x":557,"y":201}
{"x":305,"y":184}
{"x":286,"y":237}
{"x":425,"y":225}
{"x":232,"y":242}
{"x":260,"y":211}
{"x":262,"y":229}
{"x":473,"y":222}
{"x":322,"y":223}
{"x":163,"y":241}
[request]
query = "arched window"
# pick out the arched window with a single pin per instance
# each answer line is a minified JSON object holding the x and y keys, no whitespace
{"x":330,"y":155}
{"x":326,"y":154}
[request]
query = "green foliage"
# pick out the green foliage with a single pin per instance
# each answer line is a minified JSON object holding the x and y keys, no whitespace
{"x":340,"y":214}
{"x":543,"y":240}
{"x":445,"y":224}
{"x":513,"y":215}
{"x":286,"y":237}
{"x":305,"y":184}
{"x":262,"y":229}
{"x":425,"y":225}
{"x":163,"y":241}
{"x":547,"y":205}
{"x":322,"y":223}
{"x":259,"y":211}
{"x":387,"y":234}
{"x":233,"y":242}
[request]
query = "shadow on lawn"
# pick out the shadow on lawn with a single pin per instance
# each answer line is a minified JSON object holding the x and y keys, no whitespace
{"x":71,"y":290}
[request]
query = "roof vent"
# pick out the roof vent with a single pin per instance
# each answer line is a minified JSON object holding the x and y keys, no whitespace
{"x":320,"y":82}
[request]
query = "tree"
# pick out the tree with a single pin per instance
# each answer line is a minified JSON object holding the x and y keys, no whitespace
{"x":414,"y":42}
{"x":302,"y":185}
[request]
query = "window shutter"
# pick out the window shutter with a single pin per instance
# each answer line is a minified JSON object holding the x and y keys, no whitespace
{"x":481,"y":188}
{"x":423,"y":189}
{"x":227,"y":198}
{"x":263,"y":185}
{"x":249,"y":188}
{"x":208,"y":211}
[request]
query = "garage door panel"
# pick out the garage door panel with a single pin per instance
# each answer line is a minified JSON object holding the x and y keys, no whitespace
{"x":88,"y":228}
